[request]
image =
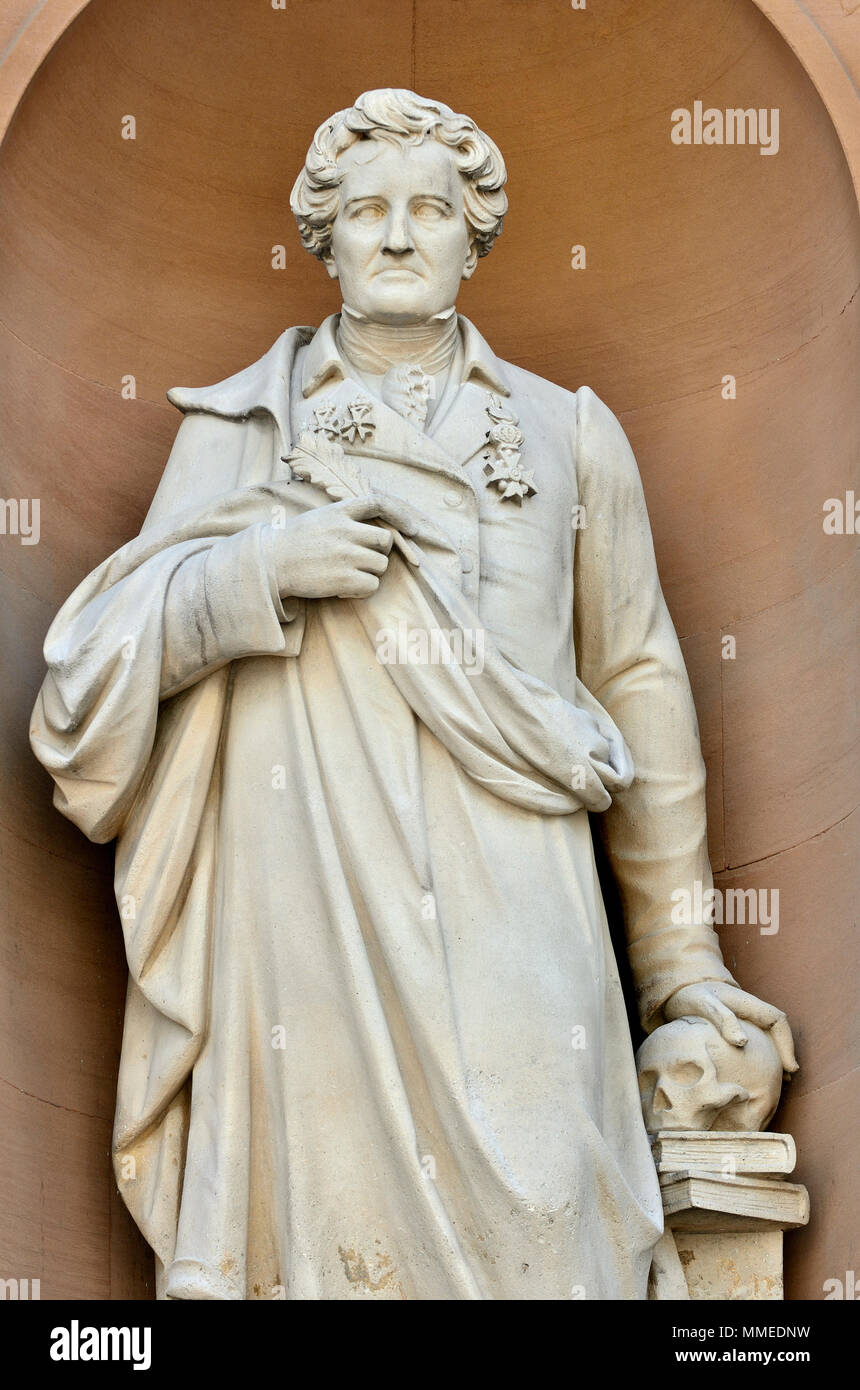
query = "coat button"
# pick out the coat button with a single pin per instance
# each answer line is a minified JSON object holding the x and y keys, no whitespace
{"x":467,"y":564}
{"x":452,"y":499}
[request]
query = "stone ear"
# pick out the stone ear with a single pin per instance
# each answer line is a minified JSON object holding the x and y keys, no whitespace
{"x":330,"y":264}
{"x":471,"y":260}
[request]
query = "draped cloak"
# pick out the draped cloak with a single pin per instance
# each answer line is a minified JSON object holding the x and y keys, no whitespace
{"x":375,"y":1043}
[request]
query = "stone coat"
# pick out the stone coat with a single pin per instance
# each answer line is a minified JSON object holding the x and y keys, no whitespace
{"x":375,"y":1041}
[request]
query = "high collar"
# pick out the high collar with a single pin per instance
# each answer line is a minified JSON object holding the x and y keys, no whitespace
{"x":323,"y":362}
{"x":264,"y":386}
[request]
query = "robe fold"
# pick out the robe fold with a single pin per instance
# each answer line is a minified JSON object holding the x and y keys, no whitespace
{"x":375,"y":1041}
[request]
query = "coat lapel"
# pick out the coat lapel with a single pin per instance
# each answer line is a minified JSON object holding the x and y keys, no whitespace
{"x":391,"y":436}
{"x":462,"y":432}
{"x":264,"y":387}
{"x":459,"y":435}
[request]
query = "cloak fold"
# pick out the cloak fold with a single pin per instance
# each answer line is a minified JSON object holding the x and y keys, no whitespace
{"x":97,"y":711}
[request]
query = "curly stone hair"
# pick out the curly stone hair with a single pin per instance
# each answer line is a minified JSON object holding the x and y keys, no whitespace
{"x":402,"y":117}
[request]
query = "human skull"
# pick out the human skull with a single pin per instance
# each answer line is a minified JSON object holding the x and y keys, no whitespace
{"x":691,"y":1078}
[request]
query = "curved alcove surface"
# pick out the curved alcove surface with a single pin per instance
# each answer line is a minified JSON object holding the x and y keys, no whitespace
{"x":152,"y":259}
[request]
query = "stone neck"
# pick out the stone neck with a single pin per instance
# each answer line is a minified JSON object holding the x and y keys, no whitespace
{"x":376,"y":347}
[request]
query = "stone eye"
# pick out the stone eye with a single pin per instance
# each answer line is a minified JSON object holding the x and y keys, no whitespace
{"x":686,"y":1073}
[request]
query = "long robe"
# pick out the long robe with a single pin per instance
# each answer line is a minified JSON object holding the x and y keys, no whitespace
{"x":375,"y":1042}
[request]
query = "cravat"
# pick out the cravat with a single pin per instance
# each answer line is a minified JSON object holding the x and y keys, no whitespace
{"x":408,"y":389}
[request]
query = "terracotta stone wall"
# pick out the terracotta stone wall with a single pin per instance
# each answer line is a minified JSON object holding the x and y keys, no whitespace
{"x":152,"y":258}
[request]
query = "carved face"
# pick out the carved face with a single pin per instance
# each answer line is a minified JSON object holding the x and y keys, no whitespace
{"x":691,"y":1078}
{"x":400,"y":242}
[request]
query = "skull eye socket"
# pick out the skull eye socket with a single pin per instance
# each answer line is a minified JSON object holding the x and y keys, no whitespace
{"x":686,"y":1073}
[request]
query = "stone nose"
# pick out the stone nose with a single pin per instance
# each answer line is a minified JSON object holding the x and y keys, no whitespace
{"x":398,"y":239}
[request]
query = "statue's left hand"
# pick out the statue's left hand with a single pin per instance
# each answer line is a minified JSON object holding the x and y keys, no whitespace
{"x":723,"y":1004}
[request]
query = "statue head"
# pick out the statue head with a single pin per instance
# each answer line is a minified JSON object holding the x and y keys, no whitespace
{"x":399,"y":197}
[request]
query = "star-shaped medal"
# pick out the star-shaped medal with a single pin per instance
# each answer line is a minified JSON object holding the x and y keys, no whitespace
{"x":359,"y":423}
{"x":326,"y":421}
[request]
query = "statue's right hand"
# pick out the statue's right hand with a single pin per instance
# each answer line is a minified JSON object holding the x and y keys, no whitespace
{"x":336,"y":551}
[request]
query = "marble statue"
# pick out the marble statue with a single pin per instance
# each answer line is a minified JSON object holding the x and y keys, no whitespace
{"x":391,"y":630}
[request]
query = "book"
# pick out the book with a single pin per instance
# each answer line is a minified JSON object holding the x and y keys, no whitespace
{"x":727,"y":1152}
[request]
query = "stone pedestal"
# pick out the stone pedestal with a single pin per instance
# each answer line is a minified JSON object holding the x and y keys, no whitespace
{"x":726,"y":1202}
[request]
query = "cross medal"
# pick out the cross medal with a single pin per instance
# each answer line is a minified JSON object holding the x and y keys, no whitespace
{"x":502,"y":460}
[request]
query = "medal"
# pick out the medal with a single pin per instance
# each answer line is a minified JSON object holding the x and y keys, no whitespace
{"x":502,"y":460}
{"x":356,"y":424}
